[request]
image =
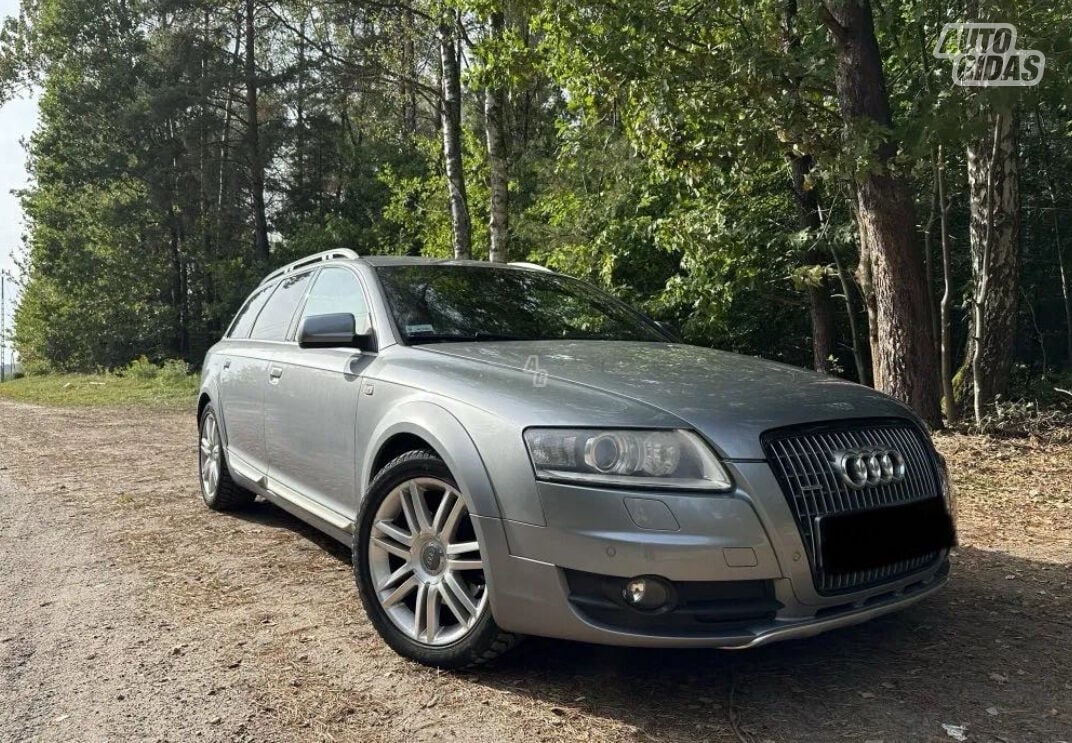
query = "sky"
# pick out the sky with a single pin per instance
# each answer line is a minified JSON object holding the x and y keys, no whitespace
{"x":17,"y":121}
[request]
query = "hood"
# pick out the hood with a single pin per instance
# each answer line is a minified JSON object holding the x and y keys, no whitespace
{"x":729,"y":398}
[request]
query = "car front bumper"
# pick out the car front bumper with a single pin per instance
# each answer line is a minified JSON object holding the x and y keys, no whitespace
{"x":745,"y":538}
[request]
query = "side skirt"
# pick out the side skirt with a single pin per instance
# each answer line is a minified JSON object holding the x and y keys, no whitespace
{"x":324,"y":519}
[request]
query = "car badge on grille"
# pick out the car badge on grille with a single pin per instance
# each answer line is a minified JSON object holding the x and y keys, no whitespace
{"x":860,"y":468}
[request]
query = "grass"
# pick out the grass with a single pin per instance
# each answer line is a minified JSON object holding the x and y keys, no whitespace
{"x":167,"y":392}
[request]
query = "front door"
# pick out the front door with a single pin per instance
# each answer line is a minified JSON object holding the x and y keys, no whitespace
{"x":311,"y":406}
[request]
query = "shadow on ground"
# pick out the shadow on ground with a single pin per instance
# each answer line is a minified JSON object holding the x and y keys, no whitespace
{"x":267,"y":514}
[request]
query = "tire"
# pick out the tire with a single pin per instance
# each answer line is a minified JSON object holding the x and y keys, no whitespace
{"x":426,"y":599}
{"x":219,"y":491}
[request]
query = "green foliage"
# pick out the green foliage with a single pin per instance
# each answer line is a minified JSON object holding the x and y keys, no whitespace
{"x":173,"y":372}
{"x":142,"y":369}
{"x":169,"y":373}
{"x":649,"y":148}
{"x":417,"y":215}
{"x":1039,"y":405}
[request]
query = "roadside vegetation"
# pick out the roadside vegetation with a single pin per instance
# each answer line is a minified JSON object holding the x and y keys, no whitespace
{"x":166,"y":386}
{"x":1041,"y":407}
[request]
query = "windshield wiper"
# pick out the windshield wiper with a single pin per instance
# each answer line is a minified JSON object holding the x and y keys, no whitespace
{"x":462,"y":337}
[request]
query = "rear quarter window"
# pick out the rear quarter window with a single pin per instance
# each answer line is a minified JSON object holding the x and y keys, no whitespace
{"x":243,"y":321}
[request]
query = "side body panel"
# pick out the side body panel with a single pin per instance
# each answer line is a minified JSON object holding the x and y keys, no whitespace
{"x":310,"y":415}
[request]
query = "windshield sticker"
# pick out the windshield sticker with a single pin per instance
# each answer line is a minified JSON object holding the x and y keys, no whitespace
{"x":410,"y":329}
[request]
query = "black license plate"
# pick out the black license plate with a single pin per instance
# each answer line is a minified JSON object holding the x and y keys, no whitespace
{"x":882,"y":536}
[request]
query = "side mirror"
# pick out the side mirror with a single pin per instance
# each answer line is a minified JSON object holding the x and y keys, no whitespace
{"x":339,"y":330}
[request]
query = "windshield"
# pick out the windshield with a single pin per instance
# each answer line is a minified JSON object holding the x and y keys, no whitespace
{"x":441,"y":303}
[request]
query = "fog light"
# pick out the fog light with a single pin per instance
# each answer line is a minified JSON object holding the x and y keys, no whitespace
{"x":646,"y":593}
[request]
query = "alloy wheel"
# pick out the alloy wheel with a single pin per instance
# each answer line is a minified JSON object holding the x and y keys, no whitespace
{"x":211,"y":455}
{"x":425,"y":562}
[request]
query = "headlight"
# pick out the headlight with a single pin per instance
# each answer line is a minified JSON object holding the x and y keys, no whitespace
{"x":631,"y":458}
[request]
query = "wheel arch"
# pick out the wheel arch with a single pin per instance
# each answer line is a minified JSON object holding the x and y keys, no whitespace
{"x":425,"y":425}
{"x":202,"y":403}
{"x":210,"y":394}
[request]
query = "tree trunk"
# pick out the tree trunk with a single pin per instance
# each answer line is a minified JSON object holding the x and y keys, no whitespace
{"x":408,"y":84}
{"x":225,"y":136}
{"x":928,"y":261}
{"x":867,"y":293}
{"x":1065,"y":295}
{"x":178,"y":303}
{"x":820,"y":304}
{"x":905,"y":365}
{"x":994,"y":189}
{"x":452,"y":138}
{"x":498,"y":178}
{"x":196,"y":279}
{"x":253,"y":143}
{"x":863,"y":371}
{"x":299,"y":125}
{"x":180,"y":337}
{"x":949,"y":401}
{"x":1058,"y":245}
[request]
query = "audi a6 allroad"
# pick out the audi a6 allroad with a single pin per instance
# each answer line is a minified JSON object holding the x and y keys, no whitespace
{"x":511,"y":452}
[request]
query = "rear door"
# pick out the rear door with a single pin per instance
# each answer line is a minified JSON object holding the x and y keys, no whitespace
{"x":311,"y":409}
{"x":241,"y":389}
{"x":246,"y":375}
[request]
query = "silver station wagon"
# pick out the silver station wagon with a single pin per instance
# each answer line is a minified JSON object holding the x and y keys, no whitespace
{"x":510,"y":452}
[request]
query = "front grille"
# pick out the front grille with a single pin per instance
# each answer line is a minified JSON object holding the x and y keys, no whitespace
{"x":803,"y":463}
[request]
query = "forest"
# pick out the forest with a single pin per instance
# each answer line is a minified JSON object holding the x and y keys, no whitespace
{"x":795,"y":179}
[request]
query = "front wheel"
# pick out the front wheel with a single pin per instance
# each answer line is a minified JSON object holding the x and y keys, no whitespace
{"x":420,"y":569}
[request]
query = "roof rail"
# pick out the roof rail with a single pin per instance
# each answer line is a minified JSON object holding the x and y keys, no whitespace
{"x":327,"y":255}
{"x":532,"y":266}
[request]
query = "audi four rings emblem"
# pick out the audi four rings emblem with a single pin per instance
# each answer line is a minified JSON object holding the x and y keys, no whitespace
{"x":862,"y":467}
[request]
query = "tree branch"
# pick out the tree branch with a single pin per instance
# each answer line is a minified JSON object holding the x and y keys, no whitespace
{"x":838,"y":31}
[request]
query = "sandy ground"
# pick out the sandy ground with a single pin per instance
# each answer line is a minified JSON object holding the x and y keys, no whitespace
{"x":128,"y":612}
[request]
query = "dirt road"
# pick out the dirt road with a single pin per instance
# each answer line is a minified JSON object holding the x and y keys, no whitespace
{"x":130,"y":612}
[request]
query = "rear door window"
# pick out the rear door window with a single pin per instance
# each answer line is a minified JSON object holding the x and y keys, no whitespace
{"x":274,"y":321}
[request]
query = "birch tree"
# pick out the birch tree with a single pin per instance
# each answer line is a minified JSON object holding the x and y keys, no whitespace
{"x":451,"y":113}
{"x":495,"y":126}
{"x":994,"y":194}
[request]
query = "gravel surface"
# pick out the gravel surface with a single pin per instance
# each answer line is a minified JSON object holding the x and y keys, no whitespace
{"x":129,"y":612}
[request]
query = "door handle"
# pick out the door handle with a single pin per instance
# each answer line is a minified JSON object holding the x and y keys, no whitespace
{"x":227,"y":364}
{"x":275,"y":373}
